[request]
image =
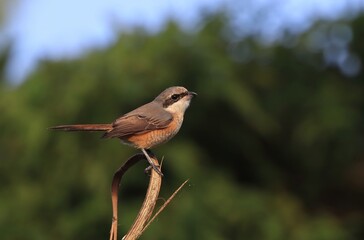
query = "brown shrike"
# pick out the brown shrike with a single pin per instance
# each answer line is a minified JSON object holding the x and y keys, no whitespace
{"x":147,"y":126}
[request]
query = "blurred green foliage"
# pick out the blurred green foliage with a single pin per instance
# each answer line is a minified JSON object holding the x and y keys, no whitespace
{"x":273,"y":144}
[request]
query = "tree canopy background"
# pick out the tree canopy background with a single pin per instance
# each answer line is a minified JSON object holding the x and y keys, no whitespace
{"x":273,"y":144}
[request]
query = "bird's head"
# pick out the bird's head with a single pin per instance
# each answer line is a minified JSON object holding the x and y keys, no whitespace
{"x":175,"y":99}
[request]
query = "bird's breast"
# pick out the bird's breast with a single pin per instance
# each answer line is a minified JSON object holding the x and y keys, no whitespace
{"x":155,"y":137}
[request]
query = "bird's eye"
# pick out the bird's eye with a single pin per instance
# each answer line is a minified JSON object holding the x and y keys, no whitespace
{"x":175,"y":96}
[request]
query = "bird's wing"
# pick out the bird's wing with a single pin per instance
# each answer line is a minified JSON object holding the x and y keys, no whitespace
{"x":146,"y":118}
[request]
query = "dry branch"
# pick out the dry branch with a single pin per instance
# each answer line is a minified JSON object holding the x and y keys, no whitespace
{"x":143,"y":219}
{"x":148,"y":204}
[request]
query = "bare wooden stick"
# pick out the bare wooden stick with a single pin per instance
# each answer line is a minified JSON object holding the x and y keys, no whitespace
{"x":147,"y":208}
{"x":142,"y":221}
{"x":149,"y":201}
{"x":115,"y":188}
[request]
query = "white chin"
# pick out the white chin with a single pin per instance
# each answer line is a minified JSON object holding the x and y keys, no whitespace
{"x":179,"y":106}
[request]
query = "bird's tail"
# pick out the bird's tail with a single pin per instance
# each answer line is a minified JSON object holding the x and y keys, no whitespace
{"x":84,"y":127}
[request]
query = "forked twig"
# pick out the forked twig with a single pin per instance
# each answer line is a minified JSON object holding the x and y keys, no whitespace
{"x":114,"y":191}
{"x":148,"y":204}
{"x":142,"y":221}
{"x":147,"y":208}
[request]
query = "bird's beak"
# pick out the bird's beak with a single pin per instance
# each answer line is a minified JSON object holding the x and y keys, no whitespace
{"x":192,"y":94}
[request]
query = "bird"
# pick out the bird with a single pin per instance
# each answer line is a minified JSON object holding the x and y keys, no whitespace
{"x":147,"y":126}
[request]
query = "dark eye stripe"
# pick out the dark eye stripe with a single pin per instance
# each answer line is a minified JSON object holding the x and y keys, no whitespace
{"x":183,"y":94}
{"x":174,"y":98}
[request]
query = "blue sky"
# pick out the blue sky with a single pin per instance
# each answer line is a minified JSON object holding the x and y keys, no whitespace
{"x":66,"y":28}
